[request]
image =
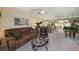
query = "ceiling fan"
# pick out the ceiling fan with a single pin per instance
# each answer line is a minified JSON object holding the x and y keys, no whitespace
{"x":40,"y":11}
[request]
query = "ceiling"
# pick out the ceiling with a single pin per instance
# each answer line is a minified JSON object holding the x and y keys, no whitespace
{"x":52,"y":12}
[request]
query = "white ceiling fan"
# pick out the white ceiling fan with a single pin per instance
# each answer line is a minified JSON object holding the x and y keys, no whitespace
{"x":40,"y":11}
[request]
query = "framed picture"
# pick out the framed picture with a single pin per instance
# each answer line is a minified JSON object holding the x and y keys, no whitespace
{"x":21,"y":21}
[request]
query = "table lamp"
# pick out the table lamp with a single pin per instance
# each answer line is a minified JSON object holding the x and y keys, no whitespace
{"x":1,"y":34}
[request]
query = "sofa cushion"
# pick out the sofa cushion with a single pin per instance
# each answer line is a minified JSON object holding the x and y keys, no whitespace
{"x":15,"y":34}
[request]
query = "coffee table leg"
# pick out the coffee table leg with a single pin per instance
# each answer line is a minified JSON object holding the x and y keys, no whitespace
{"x":46,"y":48}
{"x":0,"y":42}
{"x":34,"y":48}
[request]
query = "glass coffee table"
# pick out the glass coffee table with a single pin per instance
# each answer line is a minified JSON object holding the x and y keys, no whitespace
{"x":36,"y":43}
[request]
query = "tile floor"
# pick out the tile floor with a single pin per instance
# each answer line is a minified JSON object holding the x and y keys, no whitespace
{"x":57,"y":42}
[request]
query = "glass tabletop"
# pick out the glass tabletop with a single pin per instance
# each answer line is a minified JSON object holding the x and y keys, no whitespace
{"x":39,"y":42}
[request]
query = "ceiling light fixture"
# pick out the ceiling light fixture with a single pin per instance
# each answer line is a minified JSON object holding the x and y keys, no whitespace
{"x":42,"y":11}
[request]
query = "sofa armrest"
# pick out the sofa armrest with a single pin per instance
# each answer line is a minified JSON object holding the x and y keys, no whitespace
{"x":11,"y":45}
{"x":9,"y":37}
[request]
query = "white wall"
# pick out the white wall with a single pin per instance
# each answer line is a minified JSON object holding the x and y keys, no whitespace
{"x":8,"y":15}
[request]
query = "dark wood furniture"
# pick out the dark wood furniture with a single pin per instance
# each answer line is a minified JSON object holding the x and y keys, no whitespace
{"x":19,"y":36}
{"x":0,"y":41}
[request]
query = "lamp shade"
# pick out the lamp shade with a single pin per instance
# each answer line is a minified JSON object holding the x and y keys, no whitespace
{"x":1,"y":34}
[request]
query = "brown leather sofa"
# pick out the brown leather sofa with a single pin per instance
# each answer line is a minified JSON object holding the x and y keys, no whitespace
{"x":19,"y":36}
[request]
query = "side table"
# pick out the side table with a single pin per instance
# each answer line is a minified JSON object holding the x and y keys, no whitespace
{"x":0,"y":41}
